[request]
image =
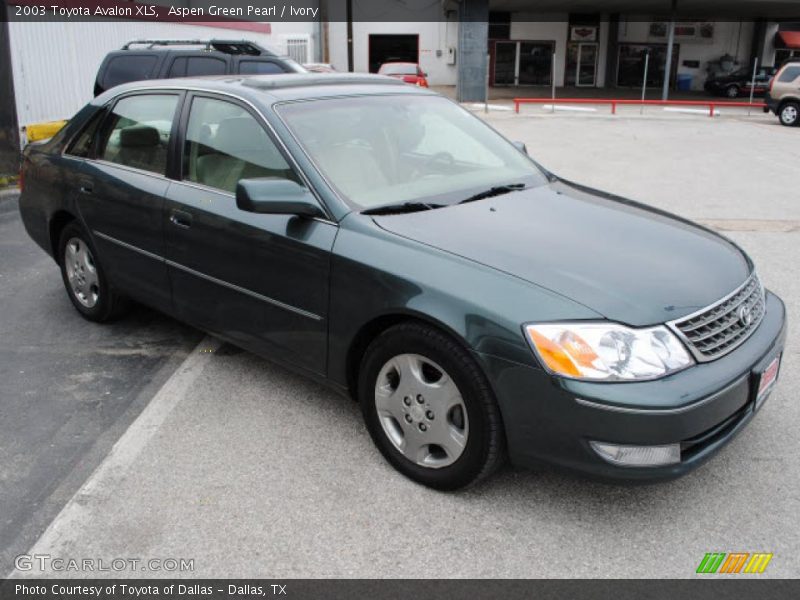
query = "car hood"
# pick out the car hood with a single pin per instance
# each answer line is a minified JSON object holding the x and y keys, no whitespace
{"x":630,"y":263}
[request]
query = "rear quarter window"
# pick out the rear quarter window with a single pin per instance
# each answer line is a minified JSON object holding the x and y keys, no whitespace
{"x":789,"y":74}
{"x":123,"y":69}
{"x":259,"y":67}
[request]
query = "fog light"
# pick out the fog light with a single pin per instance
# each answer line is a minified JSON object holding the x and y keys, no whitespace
{"x":638,"y":456}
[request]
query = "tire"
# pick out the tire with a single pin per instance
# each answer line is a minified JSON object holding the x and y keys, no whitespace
{"x":732,"y":91}
{"x":84,"y":279}
{"x":789,"y":114}
{"x":440,"y":424}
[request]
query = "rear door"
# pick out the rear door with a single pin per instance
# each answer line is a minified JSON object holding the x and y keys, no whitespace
{"x":121,"y":193}
{"x":189,"y":65}
{"x":260,"y":280}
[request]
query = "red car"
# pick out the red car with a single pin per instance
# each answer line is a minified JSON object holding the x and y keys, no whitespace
{"x":408,"y":72}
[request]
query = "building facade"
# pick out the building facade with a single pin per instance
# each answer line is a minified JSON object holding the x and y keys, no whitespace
{"x":581,"y":50}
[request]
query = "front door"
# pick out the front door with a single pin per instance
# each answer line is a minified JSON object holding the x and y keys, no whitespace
{"x":586,"y":75}
{"x":505,"y":63}
{"x":121,"y":194}
{"x":258,"y":280}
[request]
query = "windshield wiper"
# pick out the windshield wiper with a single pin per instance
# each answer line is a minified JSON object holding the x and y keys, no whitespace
{"x":405,"y":207}
{"x":495,"y":191}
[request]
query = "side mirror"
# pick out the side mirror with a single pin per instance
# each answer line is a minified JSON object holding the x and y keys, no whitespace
{"x":521,"y":147}
{"x":276,"y":197}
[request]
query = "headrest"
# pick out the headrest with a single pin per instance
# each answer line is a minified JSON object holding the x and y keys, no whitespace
{"x":139,"y":136}
{"x":237,"y":134}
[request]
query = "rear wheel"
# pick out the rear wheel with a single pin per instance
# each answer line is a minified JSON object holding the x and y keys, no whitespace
{"x":789,"y":114}
{"x":429,"y":408}
{"x":732,"y":91}
{"x":86,"y":283}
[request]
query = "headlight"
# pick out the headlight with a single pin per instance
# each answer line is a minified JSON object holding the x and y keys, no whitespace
{"x":607,"y":351}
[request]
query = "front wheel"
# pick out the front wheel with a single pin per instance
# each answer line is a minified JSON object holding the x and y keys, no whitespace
{"x":429,"y":408}
{"x":732,"y":91}
{"x":84,"y":278}
{"x":789,"y":113}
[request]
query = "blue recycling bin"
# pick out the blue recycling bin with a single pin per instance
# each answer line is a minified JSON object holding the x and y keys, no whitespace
{"x":684,"y":82}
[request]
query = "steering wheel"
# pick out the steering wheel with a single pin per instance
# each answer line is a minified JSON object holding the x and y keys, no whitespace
{"x":444,"y":159}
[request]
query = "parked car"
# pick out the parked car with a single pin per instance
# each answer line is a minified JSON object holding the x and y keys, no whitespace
{"x":739,"y":83}
{"x":405,"y":71}
{"x":783,"y":97}
{"x":161,"y":59}
{"x":381,"y":239}
{"x":319,"y":68}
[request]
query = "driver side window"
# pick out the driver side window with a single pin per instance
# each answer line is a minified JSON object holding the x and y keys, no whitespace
{"x":225,"y":143}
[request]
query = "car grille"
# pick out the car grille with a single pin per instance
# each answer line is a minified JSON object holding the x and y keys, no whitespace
{"x":722,"y":327}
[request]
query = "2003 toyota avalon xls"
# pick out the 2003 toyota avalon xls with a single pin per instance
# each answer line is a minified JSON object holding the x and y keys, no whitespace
{"x":380,"y":238}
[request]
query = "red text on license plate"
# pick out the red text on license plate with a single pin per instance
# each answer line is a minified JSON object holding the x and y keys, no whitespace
{"x":768,"y":377}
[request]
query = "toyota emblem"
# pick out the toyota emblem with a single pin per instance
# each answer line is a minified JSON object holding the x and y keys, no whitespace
{"x":745,"y":316}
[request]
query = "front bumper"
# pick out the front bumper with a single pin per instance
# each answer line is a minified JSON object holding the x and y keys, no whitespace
{"x":551,"y":420}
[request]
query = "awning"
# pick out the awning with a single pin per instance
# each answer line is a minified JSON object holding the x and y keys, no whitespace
{"x":790,"y":39}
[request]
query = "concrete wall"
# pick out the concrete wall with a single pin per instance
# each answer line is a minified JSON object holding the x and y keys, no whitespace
{"x":768,"y":51}
{"x":729,"y":37}
{"x":415,"y":17}
{"x":473,"y":57}
{"x":55,"y":64}
{"x":434,"y":38}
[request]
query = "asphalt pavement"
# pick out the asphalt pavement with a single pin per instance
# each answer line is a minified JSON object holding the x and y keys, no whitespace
{"x":69,"y":388}
{"x":250,"y":471}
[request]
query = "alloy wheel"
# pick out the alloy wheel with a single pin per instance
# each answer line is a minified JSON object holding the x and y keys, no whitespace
{"x":82,"y":274}
{"x":421,"y":411}
{"x":789,"y":114}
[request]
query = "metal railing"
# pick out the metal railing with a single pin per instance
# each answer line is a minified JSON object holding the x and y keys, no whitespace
{"x":614,"y":102}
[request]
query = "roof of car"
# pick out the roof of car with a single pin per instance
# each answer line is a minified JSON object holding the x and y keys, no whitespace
{"x":274,"y":88}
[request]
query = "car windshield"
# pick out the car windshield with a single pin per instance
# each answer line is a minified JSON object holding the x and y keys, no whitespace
{"x":399,"y":69}
{"x":386,"y":150}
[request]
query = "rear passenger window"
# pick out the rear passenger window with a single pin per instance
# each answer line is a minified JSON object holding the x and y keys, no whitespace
{"x":224,"y":144}
{"x":122,"y":69}
{"x":789,"y":74}
{"x":259,"y":67}
{"x":197,"y":66}
{"x":138,"y":133}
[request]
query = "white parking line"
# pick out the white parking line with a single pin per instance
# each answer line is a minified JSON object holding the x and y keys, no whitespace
{"x":569,"y":108}
{"x":690,"y":111}
{"x":124,"y":453}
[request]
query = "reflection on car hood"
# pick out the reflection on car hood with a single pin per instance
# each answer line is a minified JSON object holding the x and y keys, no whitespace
{"x":630,"y":263}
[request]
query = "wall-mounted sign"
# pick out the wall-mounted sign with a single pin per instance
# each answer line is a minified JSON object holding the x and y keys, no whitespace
{"x":583,"y":33}
{"x":685,"y":31}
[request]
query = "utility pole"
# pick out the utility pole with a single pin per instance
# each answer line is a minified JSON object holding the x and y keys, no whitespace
{"x":350,"y":66}
{"x":670,"y":44}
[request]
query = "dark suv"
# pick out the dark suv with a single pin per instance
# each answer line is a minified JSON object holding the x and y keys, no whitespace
{"x":739,"y":82}
{"x":161,"y":59}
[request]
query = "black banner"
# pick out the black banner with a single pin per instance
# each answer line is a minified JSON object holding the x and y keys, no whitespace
{"x":730,"y":588}
{"x":383,"y":10}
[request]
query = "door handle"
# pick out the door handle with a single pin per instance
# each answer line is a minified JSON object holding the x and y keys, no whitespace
{"x":180,"y":218}
{"x":86,"y":187}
